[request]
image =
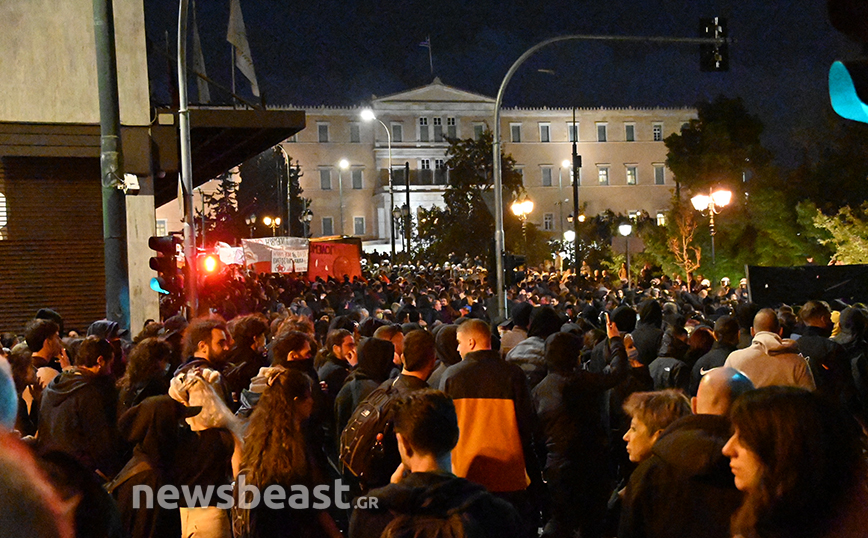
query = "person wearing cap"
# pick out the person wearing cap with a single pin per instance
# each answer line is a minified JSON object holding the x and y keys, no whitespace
{"x":110,"y":331}
{"x":520,"y":322}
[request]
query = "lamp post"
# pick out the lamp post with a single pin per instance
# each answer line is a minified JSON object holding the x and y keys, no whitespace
{"x":272,"y":223}
{"x":342,"y":165}
{"x":625,"y":230}
{"x":570,"y":237}
{"x":368,"y":115}
{"x":522,"y":209}
{"x":713,"y":204}
{"x":251,"y":223}
{"x":285,"y":194}
{"x":305,"y":218}
{"x":561,"y":199}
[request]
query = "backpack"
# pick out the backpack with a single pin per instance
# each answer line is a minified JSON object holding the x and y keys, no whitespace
{"x":362,"y":441}
{"x":455,"y":523}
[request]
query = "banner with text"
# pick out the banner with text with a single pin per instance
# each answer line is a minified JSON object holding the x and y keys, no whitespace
{"x":277,"y":254}
{"x":335,"y":259}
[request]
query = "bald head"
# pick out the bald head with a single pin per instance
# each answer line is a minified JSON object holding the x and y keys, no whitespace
{"x":766,"y":320}
{"x":718,"y":389}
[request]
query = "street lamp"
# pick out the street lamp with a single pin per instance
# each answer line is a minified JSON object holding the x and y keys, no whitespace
{"x":570,"y":239}
{"x":522,"y":209}
{"x":368,"y":115}
{"x":251,"y":223}
{"x":625,"y":230}
{"x":342,"y":165}
{"x":306,"y":217}
{"x":272,"y":223}
{"x":285,"y":194}
{"x":713,"y":204}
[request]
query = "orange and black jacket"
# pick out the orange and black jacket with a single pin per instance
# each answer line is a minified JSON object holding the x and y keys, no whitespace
{"x":495,"y":420}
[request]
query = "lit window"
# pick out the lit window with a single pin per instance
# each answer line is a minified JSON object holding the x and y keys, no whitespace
{"x":162,"y":224}
{"x":322,"y":130}
{"x":630,"y":132}
{"x":603,"y":175}
{"x":632,"y":214}
{"x":658,"y":132}
{"x":545,"y":132}
{"x":359,"y":226}
{"x":661,"y":218}
{"x":632,"y":175}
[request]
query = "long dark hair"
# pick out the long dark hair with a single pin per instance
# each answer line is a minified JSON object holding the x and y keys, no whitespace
{"x":274,"y":447}
{"x":144,"y":362}
{"x":812,"y":460}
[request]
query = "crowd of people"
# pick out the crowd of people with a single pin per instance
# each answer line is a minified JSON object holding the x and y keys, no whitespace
{"x":595,"y":409}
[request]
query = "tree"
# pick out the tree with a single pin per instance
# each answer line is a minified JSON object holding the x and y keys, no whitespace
{"x":688,"y":256}
{"x":848,"y":233}
{"x":222,"y":219}
{"x":465,"y":227}
{"x":263,"y":190}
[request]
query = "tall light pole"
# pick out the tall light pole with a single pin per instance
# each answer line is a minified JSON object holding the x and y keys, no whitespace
{"x":286,"y":194}
{"x":561,"y":199}
{"x":343,"y":165}
{"x":368,"y":115}
{"x":625,"y":230}
{"x":713,"y":204}
{"x":522,"y":210}
{"x":272,"y":223}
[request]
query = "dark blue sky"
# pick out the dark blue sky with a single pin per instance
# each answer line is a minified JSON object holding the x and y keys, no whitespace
{"x":340,"y":52}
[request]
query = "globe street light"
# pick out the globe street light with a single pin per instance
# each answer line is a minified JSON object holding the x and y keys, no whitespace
{"x":306,"y":217}
{"x":272,"y":223}
{"x":368,"y":115}
{"x":570,"y":238}
{"x":625,"y":230}
{"x":522,"y":210}
{"x":251,"y":223}
{"x":713,"y":204}
{"x":343,"y":165}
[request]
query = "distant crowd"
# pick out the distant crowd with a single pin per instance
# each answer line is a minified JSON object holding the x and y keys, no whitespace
{"x":598,"y":408}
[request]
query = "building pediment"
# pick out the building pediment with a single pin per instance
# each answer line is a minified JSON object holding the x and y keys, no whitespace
{"x":436,"y":92}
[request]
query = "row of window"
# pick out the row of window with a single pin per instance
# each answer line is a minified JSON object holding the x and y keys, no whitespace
{"x":433,"y":131}
{"x":359,"y":226}
{"x":326,"y":174}
{"x":549,"y":219}
{"x":631,"y":172}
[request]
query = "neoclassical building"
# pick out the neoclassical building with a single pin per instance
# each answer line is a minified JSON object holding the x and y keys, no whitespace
{"x":623,"y":157}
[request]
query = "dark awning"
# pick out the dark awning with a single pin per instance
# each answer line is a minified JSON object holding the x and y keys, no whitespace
{"x":220,"y":138}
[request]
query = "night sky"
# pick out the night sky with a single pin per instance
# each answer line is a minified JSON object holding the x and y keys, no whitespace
{"x":341,"y":52}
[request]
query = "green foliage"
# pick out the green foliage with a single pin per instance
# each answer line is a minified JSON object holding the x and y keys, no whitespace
{"x":222,"y":220}
{"x":466,"y":225}
{"x":263,"y":191}
{"x":848,"y":231}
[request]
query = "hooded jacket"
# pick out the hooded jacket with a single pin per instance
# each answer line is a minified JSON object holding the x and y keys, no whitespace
{"x":436,"y":494}
{"x":771,"y":360}
{"x":446,"y":349}
{"x":375,"y":364}
{"x":78,"y":416}
{"x":686,"y":487}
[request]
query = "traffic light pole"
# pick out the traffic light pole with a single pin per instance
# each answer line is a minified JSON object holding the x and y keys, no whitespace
{"x":186,"y":176}
{"x":114,"y":208}
{"x":498,"y":179}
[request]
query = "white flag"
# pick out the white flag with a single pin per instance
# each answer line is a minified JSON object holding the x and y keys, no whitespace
{"x":199,"y":62}
{"x":237,"y":35}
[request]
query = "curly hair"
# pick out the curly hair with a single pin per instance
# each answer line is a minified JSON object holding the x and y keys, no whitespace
{"x":144,"y":361}
{"x":274,"y":447}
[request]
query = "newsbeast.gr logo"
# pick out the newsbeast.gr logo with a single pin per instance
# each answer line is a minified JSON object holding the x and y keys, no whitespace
{"x":275,"y":497}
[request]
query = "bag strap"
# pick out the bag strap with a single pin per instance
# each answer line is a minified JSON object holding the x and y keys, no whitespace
{"x":126,"y":473}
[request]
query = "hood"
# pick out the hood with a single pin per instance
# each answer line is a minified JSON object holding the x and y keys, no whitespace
{"x":68,"y":383}
{"x":104,"y":329}
{"x":375,"y":358}
{"x":426,"y":492}
{"x":446,"y":345}
{"x":772,"y":344}
{"x":694,"y":443}
{"x":262,"y":379}
{"x":651,"y":313}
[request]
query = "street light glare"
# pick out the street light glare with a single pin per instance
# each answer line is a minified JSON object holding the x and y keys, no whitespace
{"x":527,"y":206}
{"x":721,"y":198}
{"x":566,"y":163}
{"x":700,"y":202}
{"x":267,"y":221}
{"x":367,"y":114}
{"x":625,"y":229}
{"x":277,"y":221}
{"x":344,"y":164}
{"x":569,"y":236}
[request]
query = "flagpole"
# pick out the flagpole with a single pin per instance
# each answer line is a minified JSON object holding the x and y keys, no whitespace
{"x":232,"y":48}
{"x":430,"y":57}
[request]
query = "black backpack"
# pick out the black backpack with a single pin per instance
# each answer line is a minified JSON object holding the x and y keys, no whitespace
{"x":455,"y":523}
{"x":362,"y":445}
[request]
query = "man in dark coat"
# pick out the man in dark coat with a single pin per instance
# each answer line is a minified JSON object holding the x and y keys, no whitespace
{"x":686,"y":487}
{"x":726,"y":336}
{"x":827,"y":358}
{"x":78,"y":413}
{"x":424,"y":494}
{"x":339,"y":360}
{"x":375,"y":364}
{"x":648,"y":333}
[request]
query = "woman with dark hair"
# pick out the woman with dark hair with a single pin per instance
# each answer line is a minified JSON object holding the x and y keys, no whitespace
{"x":276,"y":454}
{"x":800,"y":462}
{"x":146,"y":373}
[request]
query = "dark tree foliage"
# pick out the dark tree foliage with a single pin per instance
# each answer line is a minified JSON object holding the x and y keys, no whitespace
{"x":466,"y":226}
{"x":263,"y":192}
{"x":222,"y":219}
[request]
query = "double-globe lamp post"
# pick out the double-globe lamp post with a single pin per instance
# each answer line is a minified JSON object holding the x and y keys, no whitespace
{"x":713,"y":204}
{"x":272,"y":223}
{"x":625,"y":230}
{"x":522,"y":209}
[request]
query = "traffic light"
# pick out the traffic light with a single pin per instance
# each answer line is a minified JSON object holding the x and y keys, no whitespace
{"x":713,"y":57}
{"x":165,"y":263}
{"x":511,"y":264}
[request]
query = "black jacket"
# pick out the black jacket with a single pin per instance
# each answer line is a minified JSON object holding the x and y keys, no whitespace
{"x":669,"y":373}
{"x":435,"y":494}
{"x":686,"y":487}
{"x":78,"y":416}
{"x":830,"y":367}
{"x":375,"y":364}
{"x":713,"y":359}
